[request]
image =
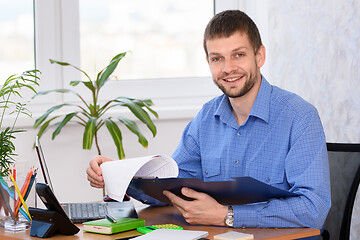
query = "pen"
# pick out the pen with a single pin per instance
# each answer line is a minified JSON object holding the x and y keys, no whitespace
{"x":110,"y":218}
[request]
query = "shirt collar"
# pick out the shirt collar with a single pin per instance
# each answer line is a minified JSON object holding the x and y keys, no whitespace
{"x":224,"y":112}
{"x":260,"y":108}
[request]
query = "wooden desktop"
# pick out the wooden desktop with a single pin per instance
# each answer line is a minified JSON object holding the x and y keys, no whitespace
{"x":162,"y":215}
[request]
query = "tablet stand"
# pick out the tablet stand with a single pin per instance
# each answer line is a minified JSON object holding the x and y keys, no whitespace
{"x":46,"y":223}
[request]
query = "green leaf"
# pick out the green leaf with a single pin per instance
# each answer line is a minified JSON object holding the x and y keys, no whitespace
{"x":89,"y":133}
{"x":68,"y":64}
{"x":116,"y":135}
{"x":66,"y":119}
{"x":56,"y":90}
{"x":89,"y":85}
{"x":48,"y":112}
{"x":74,"y":83}
{"x":60,"y":63}
{"x":45,"y":126}
{"x":109,"y":70}
{"x":29,"y":87}
{"x":140,"y":113}
{"x":132,"y":126}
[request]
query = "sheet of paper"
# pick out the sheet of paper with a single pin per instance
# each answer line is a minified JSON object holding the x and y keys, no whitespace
{"x":233,"y":235}
{"x":173,"y":234}
{"x":118,"y":174}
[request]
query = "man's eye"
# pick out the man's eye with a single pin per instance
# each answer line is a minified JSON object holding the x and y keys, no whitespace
{"x":240,"y":55}
{"x":215,"y":59}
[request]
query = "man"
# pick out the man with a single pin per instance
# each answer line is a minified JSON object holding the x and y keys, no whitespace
{"x":254,"y":129}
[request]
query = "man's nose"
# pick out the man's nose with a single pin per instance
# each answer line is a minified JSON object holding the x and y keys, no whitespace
{"x":229,"y":66}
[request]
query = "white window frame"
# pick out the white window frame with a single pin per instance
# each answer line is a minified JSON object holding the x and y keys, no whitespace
{"x":57,"y":37}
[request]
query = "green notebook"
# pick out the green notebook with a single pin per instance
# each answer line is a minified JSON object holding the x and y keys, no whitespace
{"x":104,"y":226}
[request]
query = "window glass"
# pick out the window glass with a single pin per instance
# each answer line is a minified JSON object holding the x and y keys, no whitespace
{"x":17,"y":37}
{"x":164,"y":37}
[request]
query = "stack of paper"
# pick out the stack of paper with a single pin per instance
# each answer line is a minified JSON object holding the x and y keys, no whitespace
{"x":166,"y":234}
{"x":160,"y":166}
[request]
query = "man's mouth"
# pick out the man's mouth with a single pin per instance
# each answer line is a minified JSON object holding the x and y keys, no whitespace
{"x":233,"y":79}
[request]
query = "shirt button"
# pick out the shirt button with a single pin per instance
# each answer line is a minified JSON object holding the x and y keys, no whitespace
{"x":239,"y":133}
{"x":236,"y":161}
{"x":268,"y":180}
{"x":206,"y":172}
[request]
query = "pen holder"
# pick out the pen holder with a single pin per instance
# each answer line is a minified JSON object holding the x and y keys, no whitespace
{"x":14,"y":215}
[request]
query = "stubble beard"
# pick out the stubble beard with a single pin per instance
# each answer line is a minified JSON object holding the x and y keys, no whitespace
{"x":248,"y":85}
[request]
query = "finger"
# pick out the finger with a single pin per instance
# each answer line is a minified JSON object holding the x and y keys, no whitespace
{"x":188,"y":192}
{"x":171,"y":197}
{"x":175,"y":199}
{"x":95,"y":164}
{"x":95,"y":183}
{"x":93,"y":175}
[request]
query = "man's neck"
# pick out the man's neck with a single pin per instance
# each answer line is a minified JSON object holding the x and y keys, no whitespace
{"x":241,"y":106}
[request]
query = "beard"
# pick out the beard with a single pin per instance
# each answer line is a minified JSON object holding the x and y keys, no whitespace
{"x":248,"y":85}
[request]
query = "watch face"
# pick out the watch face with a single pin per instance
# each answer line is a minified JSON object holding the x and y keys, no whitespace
{"x":229,"y":222}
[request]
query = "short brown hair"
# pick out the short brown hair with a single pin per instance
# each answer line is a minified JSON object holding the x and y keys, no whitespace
{"x":226,"y":23}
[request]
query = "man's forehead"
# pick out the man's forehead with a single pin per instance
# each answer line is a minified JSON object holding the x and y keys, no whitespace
{"x":236,"y":41}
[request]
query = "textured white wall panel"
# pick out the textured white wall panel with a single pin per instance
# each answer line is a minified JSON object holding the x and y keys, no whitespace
{"x":313,"y":49}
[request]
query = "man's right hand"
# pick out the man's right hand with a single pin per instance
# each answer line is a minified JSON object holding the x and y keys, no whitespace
{"x":94,"y":173}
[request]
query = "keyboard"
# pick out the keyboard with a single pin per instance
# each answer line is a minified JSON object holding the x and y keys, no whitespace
{"x":88,"y":210}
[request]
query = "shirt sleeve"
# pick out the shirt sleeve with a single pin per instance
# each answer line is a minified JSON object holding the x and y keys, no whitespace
{"x":187,"y":154}
{"x":307,"y":172}
{"x":189,"y":167}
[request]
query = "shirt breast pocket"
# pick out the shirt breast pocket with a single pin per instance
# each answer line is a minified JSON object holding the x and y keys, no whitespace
{"x":211,"y":170}
{"x":273,"y":175}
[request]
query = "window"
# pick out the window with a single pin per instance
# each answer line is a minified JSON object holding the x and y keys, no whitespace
{"x":66,"y":31}
{"x":164,"y":37}
{"x":17,"y":37}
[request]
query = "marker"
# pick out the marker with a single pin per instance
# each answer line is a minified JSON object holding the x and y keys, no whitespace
{"x":110,"y":218}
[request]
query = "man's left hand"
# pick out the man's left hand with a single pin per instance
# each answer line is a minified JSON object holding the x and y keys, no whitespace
{"x":203,"y":210}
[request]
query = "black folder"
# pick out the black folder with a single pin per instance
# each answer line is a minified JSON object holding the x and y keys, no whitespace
{"x":242,"y":190}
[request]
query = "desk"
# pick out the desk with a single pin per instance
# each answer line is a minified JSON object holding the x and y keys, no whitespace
{"x":161,"y":215}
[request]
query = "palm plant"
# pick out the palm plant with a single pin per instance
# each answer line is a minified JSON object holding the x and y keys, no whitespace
{"x":9,"y":92}
{"x":92,"y":115}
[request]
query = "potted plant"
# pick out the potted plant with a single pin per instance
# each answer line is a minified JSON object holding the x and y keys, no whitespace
{"x":11,"y":103}
{"x":93,"y":115}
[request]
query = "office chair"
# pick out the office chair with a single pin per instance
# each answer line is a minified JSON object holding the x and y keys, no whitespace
{"x":344,"y":161}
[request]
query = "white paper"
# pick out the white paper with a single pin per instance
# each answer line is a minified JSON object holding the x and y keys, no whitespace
{"x":118,"y":174}
{"x":232,"y":235}
{"x":173,"y":234}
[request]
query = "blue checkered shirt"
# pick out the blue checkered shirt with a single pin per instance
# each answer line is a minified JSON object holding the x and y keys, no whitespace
{"x":282,"y":143}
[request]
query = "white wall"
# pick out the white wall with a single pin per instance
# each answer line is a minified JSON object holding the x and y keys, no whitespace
{"x":67,"y":161}
{"x":313,"y":50}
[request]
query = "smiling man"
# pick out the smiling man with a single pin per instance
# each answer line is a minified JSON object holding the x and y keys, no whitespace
{"x":254,"y":129}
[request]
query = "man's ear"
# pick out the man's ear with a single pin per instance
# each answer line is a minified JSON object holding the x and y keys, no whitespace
{"x":260,"y":56}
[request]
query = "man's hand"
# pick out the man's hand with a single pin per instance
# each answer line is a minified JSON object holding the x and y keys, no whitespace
{"x":94,"y":173}
{"x":204,"y":210}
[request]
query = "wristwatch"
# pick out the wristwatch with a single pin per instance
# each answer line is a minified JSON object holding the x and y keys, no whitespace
{"x":229,"y":219}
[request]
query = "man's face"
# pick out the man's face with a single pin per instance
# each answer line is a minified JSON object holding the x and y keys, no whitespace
{"x":233,"y":64}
